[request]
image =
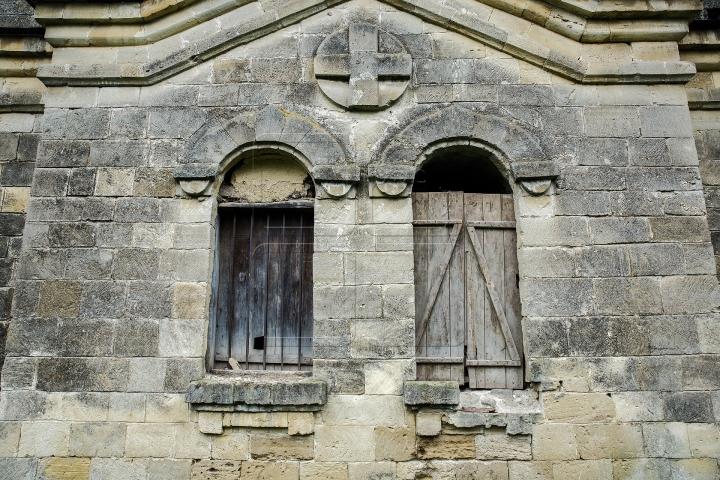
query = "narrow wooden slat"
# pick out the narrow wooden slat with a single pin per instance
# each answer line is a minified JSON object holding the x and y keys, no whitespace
{"x":306,"y":316}
{"x":493,"y":363}
{"x":241,"y":281}
{"x":456,"y":293}
{"x":291,"y":293}
{"x":420,"y":248}
{"x":224,"y":296}
{"x":497,"y":305}
{"x":493,"y":225}
{"x":491,"y":244}
{"x":436,"y":223}
{"x":514,"y":376}
{"x":435,"y":360}
{"x":437,"y":335}
{"x":475,"y":288}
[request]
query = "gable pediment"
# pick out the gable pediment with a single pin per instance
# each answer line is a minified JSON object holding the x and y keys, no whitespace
{"x":156,"y":49}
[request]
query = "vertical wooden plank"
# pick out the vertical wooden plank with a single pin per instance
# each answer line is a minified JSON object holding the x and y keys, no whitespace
{"x":513,"y":375}
{"x":438,"y":331}
{"x":494,"y":251}
{"x":224,"y":292}
{"x":475,"y":295}
{"x":420,"y":236}
{"x":456,"y":292}
{"x":257,"y":290}
{"x":273,"y":316}
{"x":307,"y":287}
{"x":291,"y":293}
{"x":240,"y":284}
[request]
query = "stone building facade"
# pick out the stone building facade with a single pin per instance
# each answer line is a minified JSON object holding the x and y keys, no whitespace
{"x":131,"y":129}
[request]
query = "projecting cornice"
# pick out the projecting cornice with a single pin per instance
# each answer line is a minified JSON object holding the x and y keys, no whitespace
{"x":254,"y":20}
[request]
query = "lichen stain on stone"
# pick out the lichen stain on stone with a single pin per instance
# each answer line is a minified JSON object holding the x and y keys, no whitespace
{"x":267,"y":179}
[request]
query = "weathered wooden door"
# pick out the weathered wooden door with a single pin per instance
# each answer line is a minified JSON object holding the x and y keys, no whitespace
{"x":264,"y":305}
{"x":467,"y":304}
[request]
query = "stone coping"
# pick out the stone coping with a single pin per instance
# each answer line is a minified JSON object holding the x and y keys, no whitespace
{"x":257,"y":392}
{"x":421,"y":393}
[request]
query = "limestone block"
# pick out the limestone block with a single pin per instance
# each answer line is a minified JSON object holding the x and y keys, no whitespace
{"x":619,"y":230}
{"x":97,"y":439}
{"x":344,"y":443}
{"x":274,"y":470}
{"x":256,"y":420}
{"x":9,"y":438}
{"x":126,"y":407}
{"x":64,"y":468}
{"x":595,"y":469}
{"x":565,"y":231}
{"x":189,"y":300}
{"x":211,"y":422}
{"x":428,"y":424}
{"x":300,"y":423}
{"x":374,"y":470}
{"x":554,"y":297}
{"x":344,"y":238}
{"x":638,"y":406}
{"x":612,"y":121}
{"x":554,"y":442}
{"x":666,"y":440}
{"x":342,"y":376}
{"x":18,"y":468}
{"x":190,"y":443}
{"x":347,"y":302}
{"x":386,"y":338}
{"x":609,"y":441}
{"x":386,"y":210}
{"x":216,"y":469}
{"x":705,"y":295}
{"x":530,"y":470}
{"x":642,"y":468}
{"x":325,"y":470}
{"x":704,"y":440}
{"x":497,"y":445}
{"x":387,"y":377}
{"x":394,"y":443}
{"x":578,"y":407}
{"x":130,"y":468}
{"x":281,"y":447}
{"x":328,"y":268}
{"x":114,"y":182}
{"x":146,"y":374}
{"x":15,"y":199}
{"x":169,"y":469}
{"x":181,"y":338}
{"x":149,"y":439}
{"x":44,"y":439}
{"x":399,"y":301}
{"x":166,"y":408}
{"x":364,"y":410}
{"x":231,"y":446}
{"x":449,"y":447}
{"x":697,"y":469}
{"x":431,"y":393}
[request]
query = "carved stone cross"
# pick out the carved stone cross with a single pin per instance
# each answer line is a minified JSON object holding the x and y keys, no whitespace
{"x":363,"y":67}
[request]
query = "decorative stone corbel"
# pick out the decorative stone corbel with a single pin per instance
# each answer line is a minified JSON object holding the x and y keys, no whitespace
{"x":194,"y":179}
{"x":336,"y":181}
{"x":390,"y":180}
{"x":536,"y":177}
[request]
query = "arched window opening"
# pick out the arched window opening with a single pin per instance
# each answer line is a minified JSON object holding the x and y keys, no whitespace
{"x":467,"y":303}
{"x":460,"y":170}
{"x":263,"y":298}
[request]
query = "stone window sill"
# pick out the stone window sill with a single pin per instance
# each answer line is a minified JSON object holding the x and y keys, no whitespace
{"x":257,"y":392}
{"x":442,"y":408}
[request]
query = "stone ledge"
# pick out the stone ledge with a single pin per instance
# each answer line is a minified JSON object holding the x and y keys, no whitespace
{"x":419,"y":394}
{"x":257,"y":393}
{"x":536,"y":170}
{"x":514,"y":423}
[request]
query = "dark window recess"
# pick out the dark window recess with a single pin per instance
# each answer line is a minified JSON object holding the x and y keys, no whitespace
{"x":263,"y":317}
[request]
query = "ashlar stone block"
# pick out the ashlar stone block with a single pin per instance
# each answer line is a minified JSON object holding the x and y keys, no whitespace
{"x":497,"y":445}
{"x":335,"y":443}
{"x":578,"y":407}
{"x":554,"y":441}
{"x":44,"y":439}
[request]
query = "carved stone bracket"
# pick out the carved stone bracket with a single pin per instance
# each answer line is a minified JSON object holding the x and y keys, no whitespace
{"x":194,"y":179}
{"x":390,"y":180}
{"x":336,"y":181}
{"x":536,"y":177}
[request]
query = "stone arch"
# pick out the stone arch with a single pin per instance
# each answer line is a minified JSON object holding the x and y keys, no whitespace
{"x":222,"y":137}
{"x":515,"y":151}
{"x":214,"y":149}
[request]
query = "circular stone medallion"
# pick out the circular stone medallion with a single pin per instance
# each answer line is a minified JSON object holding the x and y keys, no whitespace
{"x":363,"y":67}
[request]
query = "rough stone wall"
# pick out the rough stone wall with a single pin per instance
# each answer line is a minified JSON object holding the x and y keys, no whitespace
{"x":18,"y":146}
{"x":112,"y":292}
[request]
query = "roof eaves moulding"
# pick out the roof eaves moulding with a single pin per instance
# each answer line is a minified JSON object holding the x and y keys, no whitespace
{"x":87,"y":24}
{"x":251,"y":21}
